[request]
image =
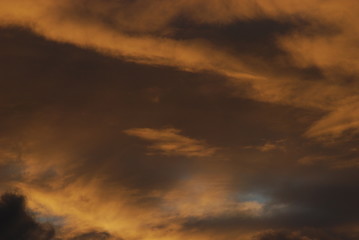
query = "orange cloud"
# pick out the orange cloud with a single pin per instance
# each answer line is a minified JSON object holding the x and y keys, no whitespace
{"x":60,"y":182}
{"x":343,"y":119}
{"x":170,"y":142}
{"x":69,"y":22}
{"x":269,"y":146}
{"x":92,"y":205}
{"x":333,"y":162}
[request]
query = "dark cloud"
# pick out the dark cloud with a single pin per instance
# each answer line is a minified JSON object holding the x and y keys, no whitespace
{"x":322,"y":201}
{"x":76,"y":109}
{"x":92,"y":236}
{"x":307,"y":234}
{"x":16,"y":223}
{"x":325,"y":201}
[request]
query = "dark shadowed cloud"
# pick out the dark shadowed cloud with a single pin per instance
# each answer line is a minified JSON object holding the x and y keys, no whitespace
{"x":92,"y":236}
{"x":305,"y":234}
{"x":17,"y":223}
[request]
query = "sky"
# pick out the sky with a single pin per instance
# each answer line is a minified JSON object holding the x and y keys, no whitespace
{"x":185,"y":119}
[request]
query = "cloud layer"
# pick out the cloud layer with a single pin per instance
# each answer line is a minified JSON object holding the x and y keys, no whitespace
{"x":190,"y":119}
{"x":146,"y":32}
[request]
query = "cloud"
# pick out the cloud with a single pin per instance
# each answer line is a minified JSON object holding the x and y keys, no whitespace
{"x":269,"y":146}
{"x":169,"y":141}
{"x":92,"y":236}
{"x":208,"y":196}
{"x":17,"y":223}
{"x":344,"y":119}
{"x":305,"y":234}
{"x":142,"y":31}
{"x":76,"y":162}
{"x":333,"y":162}
{"x":242,"y":70}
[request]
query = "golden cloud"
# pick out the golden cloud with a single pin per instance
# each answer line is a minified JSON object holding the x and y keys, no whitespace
{"x":62,"y":180}
{"x":82,"y":24}
{"x":169,"y":141}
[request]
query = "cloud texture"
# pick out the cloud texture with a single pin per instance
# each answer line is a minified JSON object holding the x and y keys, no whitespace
{"x":188,"y":119}
{"x":151,"y":32}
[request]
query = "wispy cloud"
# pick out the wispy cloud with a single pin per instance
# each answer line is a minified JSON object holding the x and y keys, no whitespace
{"x":343,"y":119}
{"x":169,"y":141}
{"x":80,"y":80}
{"x":148,"y":38}
{"x":333,"y":162}
{"x":278,"y":145}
